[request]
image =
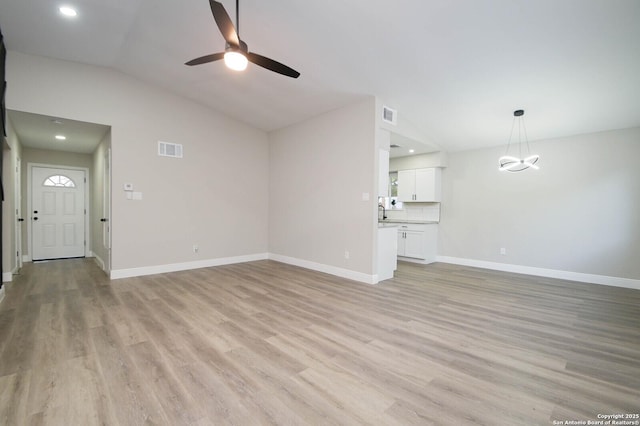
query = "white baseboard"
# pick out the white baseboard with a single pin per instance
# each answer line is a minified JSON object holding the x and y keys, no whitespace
{"x":26,"y":258}
{"x":173,"y":267}
{"x":7,"y":277}
{"x":414,"y":260}
{"x":542,"y":272}
{"x":99,"y":261}
{"x":328,"y":269}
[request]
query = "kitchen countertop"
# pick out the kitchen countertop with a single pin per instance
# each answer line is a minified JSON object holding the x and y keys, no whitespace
{"x":400,"y":221}
{"x":388,"y":225}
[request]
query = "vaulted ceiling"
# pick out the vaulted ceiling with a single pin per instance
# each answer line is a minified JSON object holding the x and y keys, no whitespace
{"x":455,"y":69}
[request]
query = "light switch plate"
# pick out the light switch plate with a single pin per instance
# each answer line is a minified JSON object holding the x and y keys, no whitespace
{"x":128,"y":187}
{"x":365,"y":196}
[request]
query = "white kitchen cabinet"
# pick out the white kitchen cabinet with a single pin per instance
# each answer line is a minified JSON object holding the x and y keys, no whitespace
{"x":410,"y":244}
{"x":419,"y":185}
{"x":383,"y":173}
{"x":418,"y":241}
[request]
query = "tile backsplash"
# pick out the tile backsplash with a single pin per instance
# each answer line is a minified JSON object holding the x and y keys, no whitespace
{"x":416,"y":211}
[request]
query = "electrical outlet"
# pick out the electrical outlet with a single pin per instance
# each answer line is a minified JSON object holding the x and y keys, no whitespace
{"x":195,"y":248}
{"x":503,"y":251}
{"x":346,"y":254}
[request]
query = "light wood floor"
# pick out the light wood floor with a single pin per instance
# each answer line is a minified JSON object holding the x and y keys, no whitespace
{"x":268,"y":343}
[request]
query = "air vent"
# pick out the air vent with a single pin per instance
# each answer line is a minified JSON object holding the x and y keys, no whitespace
{"x":393,"y":145}
{"x":166,"y":149}
{"x":389,"y":115}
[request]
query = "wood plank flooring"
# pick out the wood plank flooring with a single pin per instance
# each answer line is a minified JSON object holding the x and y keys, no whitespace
{"x":268,"y":343}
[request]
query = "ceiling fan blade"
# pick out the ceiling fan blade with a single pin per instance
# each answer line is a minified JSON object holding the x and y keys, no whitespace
{"x":206,"y":58}
{"x":272,"y":65}
{"x":225,"y":24}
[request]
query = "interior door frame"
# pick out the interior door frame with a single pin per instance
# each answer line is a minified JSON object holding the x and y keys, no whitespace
{"x":87,"y":215}
{"x":106,"y":209}
{"x":18,"y":201}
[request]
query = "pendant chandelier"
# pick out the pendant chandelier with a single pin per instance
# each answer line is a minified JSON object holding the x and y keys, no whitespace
{"x":509,"y":162}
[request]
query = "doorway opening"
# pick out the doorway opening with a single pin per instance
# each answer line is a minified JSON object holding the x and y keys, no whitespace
{"x":64,"y":188}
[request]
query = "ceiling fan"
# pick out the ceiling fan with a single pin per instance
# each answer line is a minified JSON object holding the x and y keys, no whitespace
{"x":236,"y":53}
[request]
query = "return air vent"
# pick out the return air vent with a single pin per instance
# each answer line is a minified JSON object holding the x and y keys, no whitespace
{"x":393,"y":145}
{"x":389,"y":115}
{"x":166,"y":149}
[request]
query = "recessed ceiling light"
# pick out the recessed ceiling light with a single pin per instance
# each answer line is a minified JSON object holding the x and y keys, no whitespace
{"x":411,"y":151}
{"x":68,"y":11}
{"x":60,"y":137}
{"x":56,"y":121}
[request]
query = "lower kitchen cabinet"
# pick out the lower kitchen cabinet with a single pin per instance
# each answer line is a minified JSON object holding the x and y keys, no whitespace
{"x":418,"y":241}
{"x":410,"y":244}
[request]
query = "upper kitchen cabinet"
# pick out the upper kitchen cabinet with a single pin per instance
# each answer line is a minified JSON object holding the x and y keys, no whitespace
{"x":419,"y":185}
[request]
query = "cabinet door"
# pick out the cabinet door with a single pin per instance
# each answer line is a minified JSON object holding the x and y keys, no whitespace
{"x":414,"y":244}
{"x":401,"y":243}
{"x":427,"y":185}
{"x":406,"y":185}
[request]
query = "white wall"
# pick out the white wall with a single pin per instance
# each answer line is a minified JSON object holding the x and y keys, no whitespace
{"x":580,"y":212}
{"x":319,"y":170}
{"x":216,"y":196}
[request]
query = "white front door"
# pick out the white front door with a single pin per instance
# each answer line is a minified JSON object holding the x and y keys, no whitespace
{"x":58,"y":213}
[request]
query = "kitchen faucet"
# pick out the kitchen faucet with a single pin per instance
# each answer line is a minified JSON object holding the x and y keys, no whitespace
{"x":384,"y":211}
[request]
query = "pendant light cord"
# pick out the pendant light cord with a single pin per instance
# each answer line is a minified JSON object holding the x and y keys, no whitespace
{"x":513,"y":125}
{"x":522,"y":130}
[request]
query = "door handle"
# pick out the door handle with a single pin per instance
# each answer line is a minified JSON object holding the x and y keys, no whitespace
{"x":20,"y":219}
{"x":35,"y":218}
{"x":104,"y":219}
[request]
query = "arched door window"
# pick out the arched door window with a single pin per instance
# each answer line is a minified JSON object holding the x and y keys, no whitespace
{"x":59,"y":181}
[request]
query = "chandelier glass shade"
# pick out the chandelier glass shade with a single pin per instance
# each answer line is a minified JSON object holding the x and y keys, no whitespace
{"x":524,"y":160}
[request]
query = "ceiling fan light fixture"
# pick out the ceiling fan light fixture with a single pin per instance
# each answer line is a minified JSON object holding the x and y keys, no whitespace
{"x":236,"y":54}
{"x":68,"y":11}
{"x":235,"y":60}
